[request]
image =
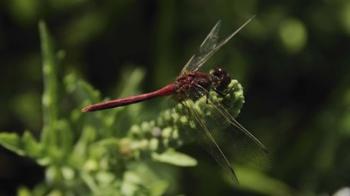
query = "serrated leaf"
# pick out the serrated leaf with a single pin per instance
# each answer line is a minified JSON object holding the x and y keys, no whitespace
{"x":175,"y":158}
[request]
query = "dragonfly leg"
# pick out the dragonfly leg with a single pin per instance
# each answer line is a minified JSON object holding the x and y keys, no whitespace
{"x":219,"y":93}
{"x":207,"y":96}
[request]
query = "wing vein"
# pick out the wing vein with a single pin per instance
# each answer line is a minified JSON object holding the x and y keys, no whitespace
{"x":225,"y":162}
{"x":229,"y":118}
{"x":209,"y":46}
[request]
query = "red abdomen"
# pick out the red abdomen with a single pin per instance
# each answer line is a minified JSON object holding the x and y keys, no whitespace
{"x":166,"y":90}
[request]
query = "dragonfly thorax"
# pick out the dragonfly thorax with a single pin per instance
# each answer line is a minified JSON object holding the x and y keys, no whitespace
{"x":191,"y":85}
{"x":194,"y":85}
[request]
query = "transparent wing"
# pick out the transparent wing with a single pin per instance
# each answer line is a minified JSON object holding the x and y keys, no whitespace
{"x":213,"y":146}
{"x":222,"y":110}
{"x":209,"y":46}
{"x":230,"y":119}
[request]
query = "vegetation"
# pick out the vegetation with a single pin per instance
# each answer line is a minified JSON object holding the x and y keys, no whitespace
{"x":292,"y":61}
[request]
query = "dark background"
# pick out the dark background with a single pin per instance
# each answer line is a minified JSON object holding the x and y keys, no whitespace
{"x":293,"y":61}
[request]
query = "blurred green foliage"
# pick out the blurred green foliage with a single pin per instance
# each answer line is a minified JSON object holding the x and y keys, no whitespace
{"x":292,"y":60}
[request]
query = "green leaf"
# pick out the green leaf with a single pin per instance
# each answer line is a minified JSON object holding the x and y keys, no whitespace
{"x":12,"y":142}
{"x":82,"y":92}
{"x":23,"y":191}
{"x":82,"y":145}
{"x":24,"y":146}
{"x":257,"y":181}
{"x":175,"y":158}
{"x":141,"y":179}
{"x":64,"y":136}
{"x":130,"y":81}
{"x":30,"y":145}
{"x":50,"y":94}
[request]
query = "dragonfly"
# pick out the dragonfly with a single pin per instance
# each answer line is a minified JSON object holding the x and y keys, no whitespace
{"x":192,"y":84}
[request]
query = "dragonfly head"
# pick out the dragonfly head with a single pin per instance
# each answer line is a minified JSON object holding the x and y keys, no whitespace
{"x":220,"y":79}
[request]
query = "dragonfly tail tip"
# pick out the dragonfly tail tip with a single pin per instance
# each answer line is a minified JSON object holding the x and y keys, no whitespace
{"x":85,"y":109}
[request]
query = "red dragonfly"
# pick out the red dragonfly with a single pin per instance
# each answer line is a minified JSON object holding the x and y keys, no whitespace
{"x":192,"y":84}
